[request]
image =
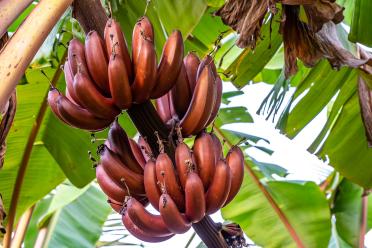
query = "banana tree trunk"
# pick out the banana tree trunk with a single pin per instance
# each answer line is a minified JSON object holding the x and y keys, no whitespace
{"x":9,"y":11}
{"x":24,"y":44}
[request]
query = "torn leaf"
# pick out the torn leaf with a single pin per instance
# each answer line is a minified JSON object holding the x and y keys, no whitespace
{"x":246,"y":18}
{"x":2,"y":216}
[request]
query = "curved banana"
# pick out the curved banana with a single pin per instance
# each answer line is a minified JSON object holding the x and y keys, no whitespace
{"x":151,"y":184}
{"x":121,"y":174}
{"x":207,"y":60}
{"x":136,"y":150}
{"x":119,"y":82}
{"x":115,"y":205}
{"x":140,"y":234}
{"x":219,"y":188}
{"x":194,"y":198}
{"x":184,"y":162}
{"x":145,"y":72}
{"x":119,"y":206}
{"x":165,"y":108}
{"x":181,"y":93}
{"x":109,"y":187}
{"x":69,"y":78}
{"x":119,"y":142}
{"x":92,"y":99}
{"x":217,"y":102}
{"x":205,"y":158}
{"x":96,"y":58}
{"x":175,"y":221}
{"x":115,"y":37}
{"x":200,"y":103}
{"x":76,"y":57}
{"x":167,"y":177}
{"x":151,"y":224}
{"x":235,"y":161}
{"x":192,"y":63}
{"x":52,"y":99}
{"x":143,"y":28}
{"x":218,"y":149}
{"x":78,"y":117}
{"x":169,"y":65}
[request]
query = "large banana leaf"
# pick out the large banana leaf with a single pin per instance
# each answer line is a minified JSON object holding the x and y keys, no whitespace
{"x":77,"y":224}
{"x":303,"y":204}
{"x":361,"y":18}
{"x":313,"y":93}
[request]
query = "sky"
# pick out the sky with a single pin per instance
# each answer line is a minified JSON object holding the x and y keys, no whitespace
{"x":289,"y":154}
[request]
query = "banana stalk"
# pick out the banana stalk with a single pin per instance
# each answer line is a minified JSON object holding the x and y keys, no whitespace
{"x":24,"y":44}
{"x":9,"y":11}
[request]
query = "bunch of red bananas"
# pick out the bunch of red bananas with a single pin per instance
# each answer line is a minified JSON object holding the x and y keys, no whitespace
{"x":200,"y":183}
{"x":196,"y":97}
{"x":102,"y":79}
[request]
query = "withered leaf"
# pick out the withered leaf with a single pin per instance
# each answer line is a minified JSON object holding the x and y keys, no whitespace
{"x":2,"y":216}
{"x":299,"y":41}
{"x":323,"y":11}
{"x":246,"y":18}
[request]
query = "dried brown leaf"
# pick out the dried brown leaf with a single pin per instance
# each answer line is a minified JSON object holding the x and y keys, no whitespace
{"x":333,"y":50}
{"x":299,"y":41}
{"x":246,"y":18}
{"x":323,"y":11}
{"x":2,"y":216}
{"x":8,"y":116}
{"x":297,"y":2}
{"x":365,"y":101}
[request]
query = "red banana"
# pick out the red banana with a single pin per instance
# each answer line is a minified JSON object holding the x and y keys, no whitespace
{"x":140,"y":234}
{"x":218,"y":151}
{"x":120,"y":173}
{"x":69,"y":78}
{"x":115,"y":205}
{"x":167,"y":177}
{"x":115,"y":37}
{"x":175,"y":221}
{"x":96,"y":58}
{"x":205,"y":157}
{"x":119,"y":82}
{"x":109,"y":187}
{"x":194,"y":198}
{"x":169,"y":65}
{"x":118,"y":206}
{"x":207,"y":60}
{"x":53,"y":96}
{"x":92,"y":99}
{"x":119,"y":142}
{"x":145,"y":72}
{"x":200,"y":105}
{"x":143,"y":28}
{"x":79,"y":117}
{"x":184,"y":162}
{"x":219,"y":188}
{"x":151,"y":224}
{"x":217,"y":102}
{"x":164,"y":107}
{"x":76,"y":57}
{"x":181,"y":93}
{"x":137,"y":152}
{"x":191,"y":62}
{"x":151,"y":184}
{"x":235,"y":161}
